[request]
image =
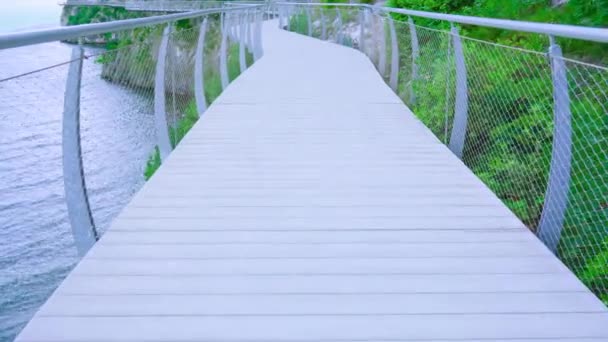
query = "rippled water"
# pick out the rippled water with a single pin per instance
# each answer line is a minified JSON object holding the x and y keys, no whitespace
{"x":36,"y":245}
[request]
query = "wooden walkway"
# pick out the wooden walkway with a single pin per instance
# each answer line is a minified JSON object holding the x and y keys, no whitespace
{"x":309,"y":204}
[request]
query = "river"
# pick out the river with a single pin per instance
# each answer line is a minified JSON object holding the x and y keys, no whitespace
{"x":117,"y":129}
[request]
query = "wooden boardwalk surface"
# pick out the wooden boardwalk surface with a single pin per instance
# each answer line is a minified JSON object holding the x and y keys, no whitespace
{"x":308,"y":204}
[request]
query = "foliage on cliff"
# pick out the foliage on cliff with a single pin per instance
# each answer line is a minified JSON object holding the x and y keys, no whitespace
{"x":510,"y":130}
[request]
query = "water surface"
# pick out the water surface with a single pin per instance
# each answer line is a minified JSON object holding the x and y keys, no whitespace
{"x":117,"y":128}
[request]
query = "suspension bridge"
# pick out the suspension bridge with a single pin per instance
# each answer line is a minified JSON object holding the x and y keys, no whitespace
{"x":309,"y":203}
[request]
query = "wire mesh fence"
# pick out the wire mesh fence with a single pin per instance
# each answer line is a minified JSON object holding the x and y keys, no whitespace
{"x":520,"y":139}
{"x":117,"y":134}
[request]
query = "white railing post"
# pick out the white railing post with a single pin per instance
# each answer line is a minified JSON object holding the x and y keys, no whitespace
{"x":223,"y":52}
{"x":339,"y":38}
{"x":258,"y":36}
{"x":242,"y":38}
{"x":308,"y":20}
{"x":323,"y":25}
{"x":382,"y":48}
{"x":459,"y":127}
{"x":556,"y":196}
{"x":199,"y":71}
{"x":288,"y":10}
{"x":415,"y":55}
{"x":77,"y":200}
{"x":162,"y":130}
{"x":362,"y":30}
{"x":394,"y":77}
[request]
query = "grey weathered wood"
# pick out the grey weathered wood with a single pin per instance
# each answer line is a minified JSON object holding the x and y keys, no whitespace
{"x":316,"y":210}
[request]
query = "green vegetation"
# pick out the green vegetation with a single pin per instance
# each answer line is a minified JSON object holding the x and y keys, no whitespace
{"x":510,"y":132}
{"x":131,"y":60}
{"x":213,"y":88}
{"x":80,"y":15}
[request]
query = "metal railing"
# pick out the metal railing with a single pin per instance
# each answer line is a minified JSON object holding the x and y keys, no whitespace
{"x":160,"y":5}
{"x":235,"y":26}
{"x":149,"y":78}
{"x":532,"y":124}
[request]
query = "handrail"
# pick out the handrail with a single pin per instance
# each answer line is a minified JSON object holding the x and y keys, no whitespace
{"x":18,"y":39}
{"x":557,"y":30}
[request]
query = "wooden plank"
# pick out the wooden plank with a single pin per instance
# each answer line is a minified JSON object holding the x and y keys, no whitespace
{"x":309,"y":204}
{"x":318,"y":328}
{"x":320,"y":304}
{"x":328,"y":284}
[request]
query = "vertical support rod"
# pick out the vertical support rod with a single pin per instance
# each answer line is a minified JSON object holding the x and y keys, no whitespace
{"x":308,"y":20}
{"x":382,"y":48}
{"x":323,"y":24}
{"x":162,"y":130}
{"x":288,"y":9}
{"x":362,"y":30}
{"x":250,"y":33}
{"x":556,"y":196}
{"x":242,"y":38}
{"x":394,"y":77}
{"x":79,"y":210}
{"x":199,"y":71}
{"x":415,"y":55}
{"x":258,"y":36}
{"x":223,"y":52}
{"x":339,"y":39}
{"x":459,"y":128}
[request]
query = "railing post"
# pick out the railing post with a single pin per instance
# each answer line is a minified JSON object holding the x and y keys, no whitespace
{"x":323,"y":25}
{"x":162,"y":130}
{"x":362,"y":30}
{"x":339,"y":39}
{"x":459,"y":128}
{"x":77,"y":200}
{"x":394,"y":77}
{"x":308,"y":20}
{"x":556,"y":196}
{"x":242,"y":38}
{"x":415,"y":55}
{"x":250,"y":31}
{"x":288,"y":10}
{"x":382,"y":48}
{"x":223,"y":58}
{"x":257,"y":40}
{"x":199,"y":71}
